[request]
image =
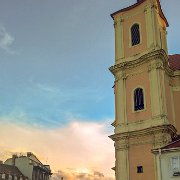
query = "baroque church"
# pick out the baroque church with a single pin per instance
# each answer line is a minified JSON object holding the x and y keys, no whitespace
{"x":147,"y":95}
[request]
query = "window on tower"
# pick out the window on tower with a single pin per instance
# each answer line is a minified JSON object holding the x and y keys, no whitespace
{"x":138,"y":99}
{"x":135,"y":34}
{"x":139,"y":169}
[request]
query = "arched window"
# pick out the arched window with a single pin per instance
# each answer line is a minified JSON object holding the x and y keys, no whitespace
{"x":135,"y":34}
{"x":138,"y":99}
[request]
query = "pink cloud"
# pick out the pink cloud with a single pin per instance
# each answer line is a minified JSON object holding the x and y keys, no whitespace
{"x":80,"y":147}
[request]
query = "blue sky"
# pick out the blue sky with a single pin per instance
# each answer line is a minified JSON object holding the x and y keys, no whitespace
{"x":54,"y":65}
{"x":54,"y":59}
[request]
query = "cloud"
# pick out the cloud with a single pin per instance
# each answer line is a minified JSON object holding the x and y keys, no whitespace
{"x":6,"y":40}
{"x":73,"y":175}
{"x":77,"y":149}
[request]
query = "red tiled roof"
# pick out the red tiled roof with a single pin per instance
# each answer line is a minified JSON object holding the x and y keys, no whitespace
{"x":174,"y":61}
{"x":9,"y":169}
{"x":172,"y":145}
{"x":137,"y":4}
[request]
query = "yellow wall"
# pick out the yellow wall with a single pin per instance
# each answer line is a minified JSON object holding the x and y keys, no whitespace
{"x":177,"y":109}
{"x":141,"y":156}
{"x":132,"y":82}
{"x":133,"y":50}
{"x":169,"y":101}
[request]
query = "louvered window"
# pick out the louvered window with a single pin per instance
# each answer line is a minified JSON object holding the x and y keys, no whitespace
{"x":135,"y":34}
{"x":138,"y":99}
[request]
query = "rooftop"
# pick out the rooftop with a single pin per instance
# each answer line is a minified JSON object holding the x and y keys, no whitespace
{"x":9,"y":169}
{"x":137,"y":4}
{"x":174,"y":61}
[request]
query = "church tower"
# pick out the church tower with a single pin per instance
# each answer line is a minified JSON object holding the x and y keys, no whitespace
{"x":145,"y":114}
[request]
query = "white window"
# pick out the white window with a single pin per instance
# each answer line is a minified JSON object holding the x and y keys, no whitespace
{"x":10,"y":177}
{"x":3,"y":176}
{"x":175,"y":162}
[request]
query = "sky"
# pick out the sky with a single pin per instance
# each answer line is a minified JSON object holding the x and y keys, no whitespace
{"x":56,"y":96}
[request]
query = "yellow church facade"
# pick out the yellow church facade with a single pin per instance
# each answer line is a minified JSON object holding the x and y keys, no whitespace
{"x":146,"y":88}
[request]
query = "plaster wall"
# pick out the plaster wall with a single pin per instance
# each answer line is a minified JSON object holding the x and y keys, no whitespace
{"x":176,"y":95}
{"x":166,"y":167}
{"x":133,"y":50}
{"x":132,"y":82}
{"x":141,"y":156}
{"x":169,"y":100}
{"x":24,"y":166}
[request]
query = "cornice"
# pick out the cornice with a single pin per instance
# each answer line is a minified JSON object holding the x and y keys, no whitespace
{"x":157,"y":151}
{"x":148,"y":131}
{"x":176,"y":73}
{"x":153,"y":5}
{"x":156,"y":54}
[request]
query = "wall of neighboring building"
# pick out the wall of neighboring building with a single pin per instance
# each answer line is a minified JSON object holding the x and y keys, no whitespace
{"x":166,"y":165}
{"x":23,"y":164}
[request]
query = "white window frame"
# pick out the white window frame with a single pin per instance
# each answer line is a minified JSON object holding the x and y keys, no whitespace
{"x":175,"y":170}
{"x":10,"y":177}
{"x":3,"y":176}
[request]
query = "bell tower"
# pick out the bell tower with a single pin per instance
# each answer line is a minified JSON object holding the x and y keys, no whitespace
{"x":144,"y":116}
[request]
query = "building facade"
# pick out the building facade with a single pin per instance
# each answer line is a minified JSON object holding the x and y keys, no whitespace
{"x":147,"y":90}
{"x":9,"y":172}
{"x":30,"y":166}
{"x":169,"y":160}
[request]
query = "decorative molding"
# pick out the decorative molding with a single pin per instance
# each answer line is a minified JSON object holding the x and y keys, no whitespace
{"x":155,"y":120}
{"x":176,"y":73}
{"x":114,"y":123}
{"x":118,"y":22}
{"x":136,"y":73}
{"x":122,"y":144}
{"x":168,"y":128}
{"x":157,"y":138}
{"x":176,"y":88}
{"x":171,"y":84}
{"x":140,"y":140}
{"x":157,"y":65}
{"x":153,"y":55}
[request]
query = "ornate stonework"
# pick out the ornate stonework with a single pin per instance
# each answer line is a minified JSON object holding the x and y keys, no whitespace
{"x":154,"y":55}
{"x":143,"y":66}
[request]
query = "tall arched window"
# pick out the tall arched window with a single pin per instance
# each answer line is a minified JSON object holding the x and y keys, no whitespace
{"x":138,"y":99}
{"x":135,"y":34}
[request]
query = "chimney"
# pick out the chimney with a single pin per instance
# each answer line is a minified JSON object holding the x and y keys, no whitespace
{"x":14,"y":156}
{"x":29,"y":154}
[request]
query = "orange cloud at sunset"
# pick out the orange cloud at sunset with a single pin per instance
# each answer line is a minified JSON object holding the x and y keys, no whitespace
{"x":80,"y":150}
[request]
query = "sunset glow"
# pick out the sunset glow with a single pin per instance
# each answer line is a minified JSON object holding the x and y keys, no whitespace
{"x":56,"y":95}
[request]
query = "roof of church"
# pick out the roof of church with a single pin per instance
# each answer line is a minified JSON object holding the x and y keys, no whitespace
{"x":174,"y":61}
{"x":9,"y":169}
{"x":172,"y":145}
{"x":137,"y":4}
